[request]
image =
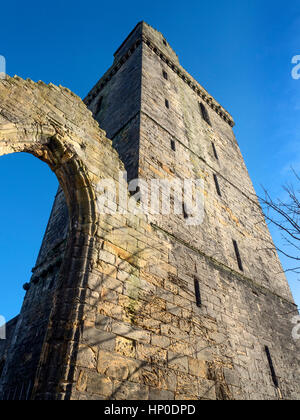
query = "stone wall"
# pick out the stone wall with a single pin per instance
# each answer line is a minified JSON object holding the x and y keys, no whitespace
{"x":121,"y":320}
{"x":234,"y":215}
{"x":242,"y":311}
{"x":54,"y":125}
{"x":56,"y":231}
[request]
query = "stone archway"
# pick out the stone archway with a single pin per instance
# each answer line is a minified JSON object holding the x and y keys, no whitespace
{"x":53,"y":124}
{"x":106,"y":264}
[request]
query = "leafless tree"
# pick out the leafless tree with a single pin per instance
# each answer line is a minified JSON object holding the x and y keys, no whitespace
{"x":284,"y":214}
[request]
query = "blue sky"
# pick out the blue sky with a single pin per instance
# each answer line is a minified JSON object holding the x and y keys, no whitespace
{"x":240,"y":51}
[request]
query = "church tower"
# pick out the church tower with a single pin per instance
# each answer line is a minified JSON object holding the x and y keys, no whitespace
{"x":164,"y":124}
{"x":172,"y":310}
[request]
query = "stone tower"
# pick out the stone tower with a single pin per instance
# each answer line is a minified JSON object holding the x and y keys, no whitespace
{"x":146,"y":306}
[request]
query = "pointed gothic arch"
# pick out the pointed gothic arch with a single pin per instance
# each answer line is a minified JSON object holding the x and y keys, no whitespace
{"x":40,"y":128}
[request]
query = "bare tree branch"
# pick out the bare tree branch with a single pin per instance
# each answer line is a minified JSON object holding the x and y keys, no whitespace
{"x":285,"y":216}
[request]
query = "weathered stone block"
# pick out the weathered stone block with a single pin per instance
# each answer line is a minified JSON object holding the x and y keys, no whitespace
{"x":99,"y":384}
{"x":130,"y":391}
{"x":198,"y":368}
{"x":178,"y":362}
{"x":118,"y":367}
{"x":126,"y":346}
{"x":97,"y":338}
{"x":86,"y":357}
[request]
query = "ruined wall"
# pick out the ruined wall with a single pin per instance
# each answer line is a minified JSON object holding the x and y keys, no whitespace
{"x":26,"y":335}
{"x":54,"y":125}
{"x":56,"y":230}
{"x":121,"y":320}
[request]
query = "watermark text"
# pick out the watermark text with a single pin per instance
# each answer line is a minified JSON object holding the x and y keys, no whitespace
{"x":296,"y":330}
{"x":296,"y":68}
{"x":153,"y":197}
{"x":2,"y":67}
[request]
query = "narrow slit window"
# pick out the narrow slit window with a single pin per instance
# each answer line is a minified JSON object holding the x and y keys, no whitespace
{"x":217,"y":185}
{"x":197,"y":293}
{"x":238,"y":255}
{"x":165,"y":42}
{"x":272,"y":369}
{"x":167,"y":103}
{"x":173,"y":145}
{"x":215,"y":151}
{"x":204,"y":113}
{"x":165,"y":74}
{"x":185,"y":214}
